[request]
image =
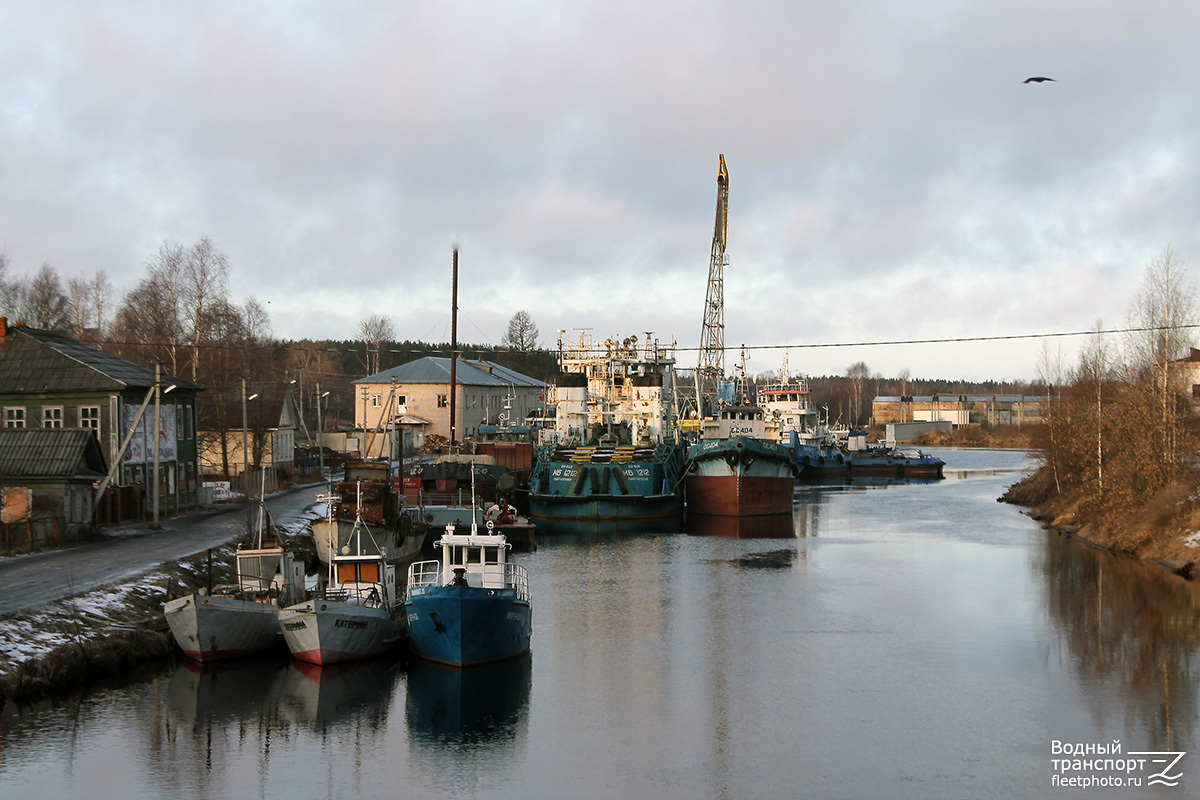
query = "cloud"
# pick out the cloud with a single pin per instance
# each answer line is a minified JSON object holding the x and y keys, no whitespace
{"x":891,"y":177}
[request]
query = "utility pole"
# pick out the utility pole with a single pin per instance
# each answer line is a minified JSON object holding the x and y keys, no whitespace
{"x":157,"y":421}
{"x":246,"y":454}
{"x":453,"y":348}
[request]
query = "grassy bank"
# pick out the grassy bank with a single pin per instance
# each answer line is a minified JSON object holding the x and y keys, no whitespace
{"x":1164,"y":530}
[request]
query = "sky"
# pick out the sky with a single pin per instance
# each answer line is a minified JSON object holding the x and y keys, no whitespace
{"x":891,"y":177}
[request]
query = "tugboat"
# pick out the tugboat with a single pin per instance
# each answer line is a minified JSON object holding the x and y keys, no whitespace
{"x":735,"y":471}
{"x":357,"y":614}
{"x":793,"y":422}
{"x":470,"y":607}
{"x":617,"y":459}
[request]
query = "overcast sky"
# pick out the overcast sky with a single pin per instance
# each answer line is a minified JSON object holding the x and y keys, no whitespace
{"x":891,"y":177}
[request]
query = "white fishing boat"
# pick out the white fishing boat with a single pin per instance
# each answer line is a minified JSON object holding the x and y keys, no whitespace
{"x":356,"y":614}
{"x":240,"y":618}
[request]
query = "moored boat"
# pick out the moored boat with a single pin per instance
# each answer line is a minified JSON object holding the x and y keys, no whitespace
{"x":471,"y":606}
{"x":356,"y":614}
{"x":617,"y":459}
{"x":241,"y":618}
{"x":792,"y":421}
{"x":739,"y":476}
{"x":898,"y":462}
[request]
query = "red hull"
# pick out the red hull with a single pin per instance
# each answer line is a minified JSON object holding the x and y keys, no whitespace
{"x":739,"y":495}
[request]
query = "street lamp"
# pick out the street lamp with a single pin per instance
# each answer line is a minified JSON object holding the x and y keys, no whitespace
{"x":246,"y":452}
{"x":320,"y":432}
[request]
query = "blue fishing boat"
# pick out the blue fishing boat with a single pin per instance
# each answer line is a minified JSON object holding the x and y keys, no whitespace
{"x":471,"y":606}
{"x":617,"y":459}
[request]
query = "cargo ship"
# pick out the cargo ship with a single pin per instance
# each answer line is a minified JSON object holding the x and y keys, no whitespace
{"x":617,"y":458}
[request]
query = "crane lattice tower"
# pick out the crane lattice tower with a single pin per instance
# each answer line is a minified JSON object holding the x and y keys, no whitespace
{"x":711,"y":367}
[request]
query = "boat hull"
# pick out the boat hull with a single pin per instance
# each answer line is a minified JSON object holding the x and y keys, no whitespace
{"x":464,"y":625}
{"x":590,"y":490}
{"x":896,"y":465}
{"x":332,"y":631}
{"x":217,"y":627}
{"x":739,"y":477}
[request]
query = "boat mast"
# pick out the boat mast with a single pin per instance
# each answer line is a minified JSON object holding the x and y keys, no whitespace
{"x":711,"y":366}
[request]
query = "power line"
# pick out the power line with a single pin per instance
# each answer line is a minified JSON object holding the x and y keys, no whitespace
{"x":812,"y":346}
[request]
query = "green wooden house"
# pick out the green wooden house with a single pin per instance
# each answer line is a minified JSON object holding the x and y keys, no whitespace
{"x":50,"y":381}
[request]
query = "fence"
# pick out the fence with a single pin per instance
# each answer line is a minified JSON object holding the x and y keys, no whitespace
{"x":30,"y":535}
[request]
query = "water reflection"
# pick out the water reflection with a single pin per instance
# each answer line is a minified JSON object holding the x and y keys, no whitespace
{"x":779,"y":526}
{"x":321,"y":696}
{"x":473,"y":705}
{"x":203,"y":695}
{"x":1131,"y":630}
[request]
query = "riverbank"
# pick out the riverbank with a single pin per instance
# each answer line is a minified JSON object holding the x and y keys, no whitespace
{"x":69,"y":644}
{"x":1165,"y":531}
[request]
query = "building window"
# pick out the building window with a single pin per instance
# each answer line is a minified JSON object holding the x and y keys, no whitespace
{"x":14,"y":417}
{"x":376,"y":400}
{"x":52,"y":417}
{"x":401,"y":402}
{"x":442,"y":401}
{"x":89,"y":417}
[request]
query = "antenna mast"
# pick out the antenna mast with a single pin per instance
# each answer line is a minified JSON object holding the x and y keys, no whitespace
{"x":711,"y":367}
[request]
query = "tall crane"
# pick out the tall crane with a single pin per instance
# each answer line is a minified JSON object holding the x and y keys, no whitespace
{"x":711,"y":366}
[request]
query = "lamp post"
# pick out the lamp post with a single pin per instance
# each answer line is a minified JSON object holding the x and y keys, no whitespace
{"x":156,"y":479}
{"x":246,"y":451}
{"x":320,"y":432}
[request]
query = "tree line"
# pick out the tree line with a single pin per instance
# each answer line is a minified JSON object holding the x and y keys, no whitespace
{"x":1120,"y":426}
{"x":182,"y":315}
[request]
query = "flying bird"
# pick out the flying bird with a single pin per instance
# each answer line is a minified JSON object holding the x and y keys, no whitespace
{"x":1037,"y":80}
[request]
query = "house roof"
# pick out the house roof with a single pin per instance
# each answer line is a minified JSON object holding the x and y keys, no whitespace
{"x":50,"y":452}
{"x":436,"y":370}
{"x":33,"y":360}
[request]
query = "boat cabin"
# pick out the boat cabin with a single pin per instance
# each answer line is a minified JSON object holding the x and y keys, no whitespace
{"x":270,"y":575}
{"x":742,"y":419}
{"x":473,"y":559}
{"x":359,"y":571}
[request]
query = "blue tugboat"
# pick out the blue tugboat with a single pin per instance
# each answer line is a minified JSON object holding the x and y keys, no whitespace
{"x":471,"y":606}
{"x":617,"y":461}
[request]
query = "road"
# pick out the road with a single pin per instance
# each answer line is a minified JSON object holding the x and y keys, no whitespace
{"x":41,"y":578}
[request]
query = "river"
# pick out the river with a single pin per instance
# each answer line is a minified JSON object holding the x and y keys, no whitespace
{"x":915,"y":640}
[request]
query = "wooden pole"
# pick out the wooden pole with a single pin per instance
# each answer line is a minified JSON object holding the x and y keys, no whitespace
{"x":453,"y":349}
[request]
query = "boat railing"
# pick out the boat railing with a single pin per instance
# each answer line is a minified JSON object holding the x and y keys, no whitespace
{"x":516,"y":576}
{"x":423,"y":575}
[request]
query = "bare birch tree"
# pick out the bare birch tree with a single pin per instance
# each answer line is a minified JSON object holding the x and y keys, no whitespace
{"x":373,"y":331}
{"x":858,"y":373}
{"x":1163,"y":306}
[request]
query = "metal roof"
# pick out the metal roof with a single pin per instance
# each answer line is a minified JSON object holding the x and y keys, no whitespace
{"x":975,"y":398}
{"x":436,"y":370}
{"x":33,"y":360}
{"x":50,"y":452}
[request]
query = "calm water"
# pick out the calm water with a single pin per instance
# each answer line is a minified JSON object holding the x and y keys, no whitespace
{"x":912,"y":641}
